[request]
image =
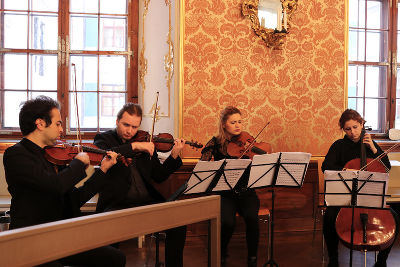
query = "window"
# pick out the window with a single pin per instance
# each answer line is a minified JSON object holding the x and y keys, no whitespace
{"x":372,"y":70}
{"x":47,"y":49}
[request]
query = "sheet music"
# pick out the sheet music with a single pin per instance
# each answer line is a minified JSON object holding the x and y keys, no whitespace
{"x":203,"y":174}
{"x":333,"y":184}
{"x":376,"y":185}
{"x":296,"y":170}
{"x":233,"y":170}
{"x":262,"y":170}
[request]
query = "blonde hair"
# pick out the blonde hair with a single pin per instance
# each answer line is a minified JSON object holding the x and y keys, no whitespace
{"x":223,"y":117}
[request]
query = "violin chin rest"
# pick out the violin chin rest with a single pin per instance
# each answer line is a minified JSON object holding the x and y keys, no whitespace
{"x":394,"y":134}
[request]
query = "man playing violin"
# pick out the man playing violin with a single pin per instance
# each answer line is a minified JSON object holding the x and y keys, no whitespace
{"x":42,"y":194}
{"x":132,"y":186}
{"x":241,"y":200}
{"x":341,"y":152}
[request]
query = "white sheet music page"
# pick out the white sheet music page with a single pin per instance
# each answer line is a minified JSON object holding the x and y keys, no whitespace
{"x":262,"y":170}
{"x":295,"y":163}
{"x":336,"y":192}
{"x":205,"y":170}
{"x":234,"y":169}
{"x":376,"y":187}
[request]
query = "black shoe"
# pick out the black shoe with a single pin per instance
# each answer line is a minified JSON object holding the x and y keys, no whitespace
{"x":252,"y":262}
{"x":333,"y":263}
{"x":380,"y":264}
{"x":223,"y":261}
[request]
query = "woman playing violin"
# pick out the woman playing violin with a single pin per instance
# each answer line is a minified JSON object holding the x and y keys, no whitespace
{"x":240,"y":200}
{"x":341,"y":152}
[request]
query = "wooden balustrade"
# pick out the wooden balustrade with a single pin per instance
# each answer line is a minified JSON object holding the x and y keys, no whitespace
{"x":46,"y":242}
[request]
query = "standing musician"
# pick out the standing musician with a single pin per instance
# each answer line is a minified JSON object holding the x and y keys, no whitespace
{"x":40,"y":194}
{"x":341,"y":152}
{"x":241,"y":200}
{"x":132,"y":186}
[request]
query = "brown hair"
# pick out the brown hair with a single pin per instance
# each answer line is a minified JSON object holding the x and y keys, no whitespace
{"x":223,"y":117}
{"x":350,"y":114}
{"x":132,"y":109}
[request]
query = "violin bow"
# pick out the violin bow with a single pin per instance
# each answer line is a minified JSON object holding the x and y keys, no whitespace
{"x":154,"y":116}
{"x":78,"y":132}
{"x":252,"y":143}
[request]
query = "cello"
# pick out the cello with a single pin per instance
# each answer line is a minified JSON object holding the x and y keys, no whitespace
{"x":373,"y":229}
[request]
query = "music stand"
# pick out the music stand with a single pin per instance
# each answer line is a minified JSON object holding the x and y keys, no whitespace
{"x":283,"y":169}
{"x":213,"y":176}
{"x":355,"y":189}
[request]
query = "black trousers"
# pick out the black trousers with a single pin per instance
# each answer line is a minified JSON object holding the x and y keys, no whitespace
{"x":332,"y":238}
{"x":174,"y":240}
{"x":102,"y":257}
{"x":247,"y":205}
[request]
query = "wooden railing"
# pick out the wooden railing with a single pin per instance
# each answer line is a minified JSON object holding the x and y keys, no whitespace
{"x":42,"y":243}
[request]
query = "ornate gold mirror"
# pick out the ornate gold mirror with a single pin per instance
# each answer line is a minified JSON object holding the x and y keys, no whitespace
{"x":270,"y":19}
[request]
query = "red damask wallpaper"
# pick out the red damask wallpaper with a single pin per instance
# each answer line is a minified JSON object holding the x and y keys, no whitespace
{"x":300,"y":88}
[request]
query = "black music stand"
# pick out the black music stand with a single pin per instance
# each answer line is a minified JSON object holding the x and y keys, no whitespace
{"x":355,"y":189}
{"x":283,"y":169}
{"x":212,"y":176}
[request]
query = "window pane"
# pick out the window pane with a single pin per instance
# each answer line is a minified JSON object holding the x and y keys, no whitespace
{"x":375,"y":110}
{"x":377,"y":43}
{"x":86,"y":73}
{"x":356,"y":45}
{"x":84,"y":32}
{"x":84,"y":6}
{"x":43,"y":71}
{"x":11,"y":105}
{"x":375,"y":18}
{"x":357,"y":17}
{"x":398,"y":84}
{"x":375,"y":81}
{"x":44,"y":5}
{"x":112,"y":73}
{"x":113,"y":7}
{"x":356,"y":81}
{"x":44,"y":32}
{"x":33,"y":94}
{"x":15,"y":23}
{"x":110,"y":104}
{"x":87,"y":110}
{"x":15,"y":71}
{"x":397,"y":120}
{"x":356,"y":104}
{"x":18,"y":5}
{"x":113,"y":34}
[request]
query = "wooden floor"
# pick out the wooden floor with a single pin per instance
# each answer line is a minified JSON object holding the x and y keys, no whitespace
{"x":290,"y":249}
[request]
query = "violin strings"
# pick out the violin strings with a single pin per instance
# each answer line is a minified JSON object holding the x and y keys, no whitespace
{"x":380,"y":157}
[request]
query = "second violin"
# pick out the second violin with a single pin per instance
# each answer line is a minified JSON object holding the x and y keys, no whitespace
{"x":163,"y":142}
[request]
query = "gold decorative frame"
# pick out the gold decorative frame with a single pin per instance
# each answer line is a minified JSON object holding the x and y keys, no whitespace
{"x":272,"y":37}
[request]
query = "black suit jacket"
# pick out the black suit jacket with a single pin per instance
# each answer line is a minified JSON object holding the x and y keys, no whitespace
{"x":39,"y":193}
{"x":150,"y":169}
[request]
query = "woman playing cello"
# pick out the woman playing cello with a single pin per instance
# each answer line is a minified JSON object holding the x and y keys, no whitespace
{"x":241,"y":200}
{"x":342,"y":151}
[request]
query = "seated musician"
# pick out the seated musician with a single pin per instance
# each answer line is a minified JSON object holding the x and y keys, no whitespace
{"x":132,"y":186}
{"x":341,"y":152}
{"x":244,"y":201}
{"x":39,"y":193}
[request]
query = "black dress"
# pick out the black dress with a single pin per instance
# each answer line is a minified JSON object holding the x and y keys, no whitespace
{"x":241,"y":200}
{"x":342,"y":151}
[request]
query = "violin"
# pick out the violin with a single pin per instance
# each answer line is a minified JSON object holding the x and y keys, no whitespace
{"x":163,"y":142}
{"x":63,"y":153}
{"x":244,"y":145}
{"x":374,"y":229}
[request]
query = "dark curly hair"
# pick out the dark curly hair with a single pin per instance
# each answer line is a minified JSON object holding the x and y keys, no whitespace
{"x":38,"y":108}
{"x":350,"y":114}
